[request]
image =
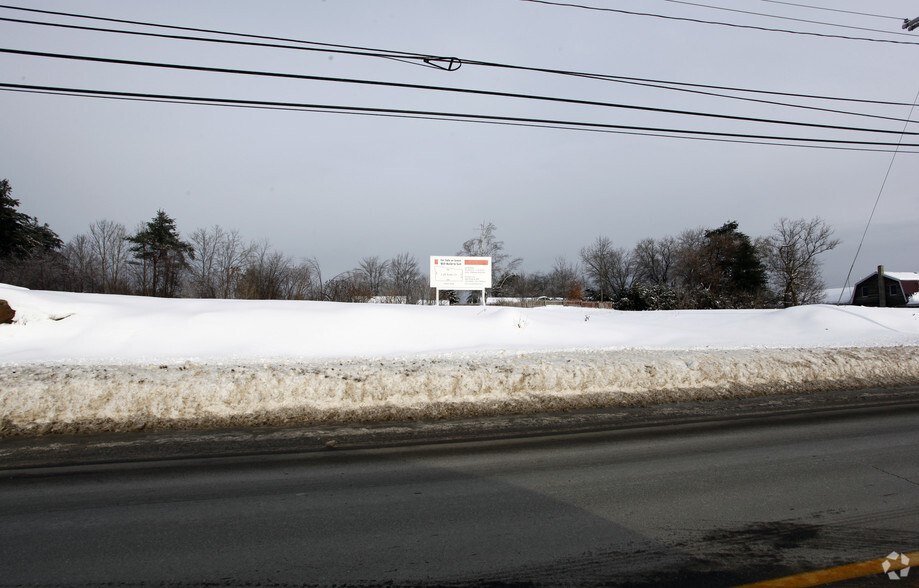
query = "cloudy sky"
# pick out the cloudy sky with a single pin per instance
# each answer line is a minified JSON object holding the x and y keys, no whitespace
{"x":340,"y":186}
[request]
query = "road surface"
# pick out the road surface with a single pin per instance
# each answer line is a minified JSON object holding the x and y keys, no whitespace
{"x":705,"y":502}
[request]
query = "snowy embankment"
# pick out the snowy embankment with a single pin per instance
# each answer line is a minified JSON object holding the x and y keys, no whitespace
{"x":81,"y":362}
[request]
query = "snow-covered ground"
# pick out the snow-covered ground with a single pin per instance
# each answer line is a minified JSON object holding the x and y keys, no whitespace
{"x":89,"y":362}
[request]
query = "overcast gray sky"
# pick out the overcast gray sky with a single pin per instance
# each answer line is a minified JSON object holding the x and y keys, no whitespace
{"x":340,"y":187}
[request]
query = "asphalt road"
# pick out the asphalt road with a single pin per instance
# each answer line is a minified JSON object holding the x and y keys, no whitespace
{"x":703,"y":501}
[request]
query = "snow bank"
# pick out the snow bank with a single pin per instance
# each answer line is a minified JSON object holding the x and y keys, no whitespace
{"x":78,"y":362}
{"x":838,"y":295}
{"x":42,"y":398}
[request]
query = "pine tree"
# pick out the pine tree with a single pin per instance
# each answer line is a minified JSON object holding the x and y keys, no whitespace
{"x":20,"y":234}
{"x":735,"y":273}
{"x":161,"y":254}
{"x":30,"y":253}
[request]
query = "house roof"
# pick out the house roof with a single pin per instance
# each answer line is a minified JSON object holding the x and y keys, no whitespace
{"x":903,"y":276}
{"x":898,"y":276}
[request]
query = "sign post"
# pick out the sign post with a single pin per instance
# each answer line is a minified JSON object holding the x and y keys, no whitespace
{"x":460,"y":273}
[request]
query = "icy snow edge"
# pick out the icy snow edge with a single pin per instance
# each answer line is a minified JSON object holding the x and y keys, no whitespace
{"x":81,"y":398}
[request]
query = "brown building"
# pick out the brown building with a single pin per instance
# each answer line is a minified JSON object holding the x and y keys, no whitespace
{"x":898,"y":287}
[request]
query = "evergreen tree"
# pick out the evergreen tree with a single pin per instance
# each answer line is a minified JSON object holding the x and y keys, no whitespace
{"x":734,"y":272}
{"x":20,"y":234}
{"x":161,"y":254}
{"x":30,"y":253}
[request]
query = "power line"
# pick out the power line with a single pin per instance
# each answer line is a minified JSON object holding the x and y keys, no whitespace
{"x":662,"y":134}
{"x":316,"y":46}
{"x":656,"y":110}
{"x":411,"y":55}
{"x":398,"y":56}
{"x":776,"y":16}
{"x":769,"y":102}
{"x":446,"y":63}
{"x":667,"y":84}
{"x":432,"y":114}
{"x":874,"y":208}
{"x":832,"y":9}
{"x":615,"y":78}
{"x":661,"y":84}
{"x":718,"y":23}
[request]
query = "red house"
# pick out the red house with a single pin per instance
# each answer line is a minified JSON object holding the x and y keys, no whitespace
{"x":898,"y":289}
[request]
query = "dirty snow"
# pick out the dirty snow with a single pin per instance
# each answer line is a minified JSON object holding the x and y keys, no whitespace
{"x":90,"y":362}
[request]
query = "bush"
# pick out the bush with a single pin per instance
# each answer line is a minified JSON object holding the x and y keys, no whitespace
{"x":648,"y":297}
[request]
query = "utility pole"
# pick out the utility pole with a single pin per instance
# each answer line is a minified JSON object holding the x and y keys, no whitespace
{"x":911,"y":25}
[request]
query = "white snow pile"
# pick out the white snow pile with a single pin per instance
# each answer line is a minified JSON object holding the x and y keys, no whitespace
{"x":90,"y":362}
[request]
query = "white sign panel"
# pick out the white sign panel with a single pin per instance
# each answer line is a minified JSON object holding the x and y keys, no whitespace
{"x":460,"y":273}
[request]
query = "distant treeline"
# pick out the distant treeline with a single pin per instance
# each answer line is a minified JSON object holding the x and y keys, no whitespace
{"x":699,"y":268}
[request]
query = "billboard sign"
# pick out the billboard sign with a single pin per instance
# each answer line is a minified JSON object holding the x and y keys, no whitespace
{"x":460,"y":273}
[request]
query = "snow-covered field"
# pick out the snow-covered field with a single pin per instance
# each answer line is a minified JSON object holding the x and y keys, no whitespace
{"x":88,"y":362}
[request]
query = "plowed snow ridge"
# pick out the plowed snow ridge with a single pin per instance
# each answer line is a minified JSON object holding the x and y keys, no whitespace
{"x":77,"y":362}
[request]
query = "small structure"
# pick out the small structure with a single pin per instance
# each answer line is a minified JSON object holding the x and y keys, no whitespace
{"x":886,"y":288}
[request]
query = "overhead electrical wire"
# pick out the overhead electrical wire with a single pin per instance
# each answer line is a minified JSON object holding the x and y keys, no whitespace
{"x":314,"y":46}
{"x":426,"y":114}
{"x":412,"y":55}
{"x":426,"y":87}
{"x":839,"y":10}
{"x":664,"y":83}
{"x":769,"y":102}
{"x":445,"y":63}
{"x":718,"y":23}
{"x":419,"y":59}
{"x":485,"y":122}
{"x":453,"y":63}
{"x":780,"y":17}
{"x":875,"y":207}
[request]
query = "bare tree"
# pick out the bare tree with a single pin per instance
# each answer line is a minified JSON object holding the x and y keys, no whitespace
{"x":265,"y":274}
{"x":108,"y":242}
{"x":791,"y":257}
{"x":372,"y":272}
{"x":203,"y":270}
{"x":138,"y":271}
{"x":404,"y":276}
{"x":485,"y":244}
{"x":299,"y":281}
{"x":346,"y":287}
{"x":318,"y":287}
{"x":82,"y":264}
{"x":564,"y":281}
{"x":526,"y":287}
{"x":654,"y":260}
{"x":689,"y":266}
{"x":609,"y":268}
{"x":231,"y":256}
